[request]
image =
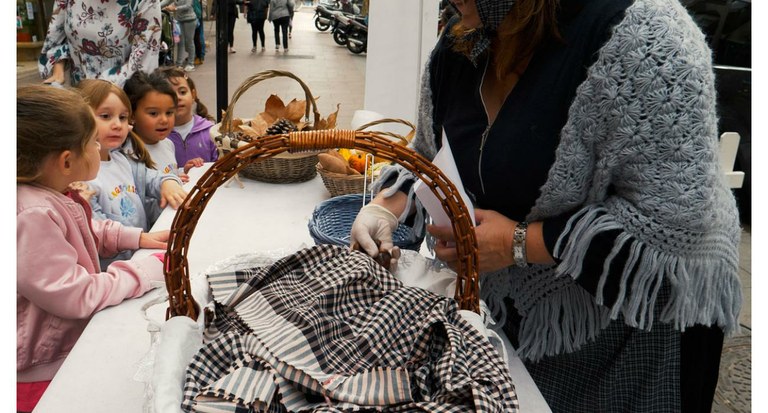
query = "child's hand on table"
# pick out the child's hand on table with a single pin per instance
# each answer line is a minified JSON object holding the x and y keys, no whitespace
{"x":171,"y":193}
{"x":193,"y":163}
{"x":154,"y":240}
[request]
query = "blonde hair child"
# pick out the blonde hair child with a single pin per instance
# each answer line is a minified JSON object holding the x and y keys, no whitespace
{"x":127,"y":189}
{"x":58,"y":280}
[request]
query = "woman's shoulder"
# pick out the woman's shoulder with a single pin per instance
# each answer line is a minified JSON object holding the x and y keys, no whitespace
{"x":657,"y":26}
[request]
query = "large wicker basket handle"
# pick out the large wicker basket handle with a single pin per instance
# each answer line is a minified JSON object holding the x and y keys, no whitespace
{"x":226,"y":121}
{"x":402,"y":139}
{"x":177,"y":266}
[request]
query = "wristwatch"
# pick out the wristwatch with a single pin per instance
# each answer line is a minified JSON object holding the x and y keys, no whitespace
{"x":518,"y":244}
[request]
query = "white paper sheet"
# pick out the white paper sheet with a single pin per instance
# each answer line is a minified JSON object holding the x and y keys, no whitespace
{"x":443,"y":160}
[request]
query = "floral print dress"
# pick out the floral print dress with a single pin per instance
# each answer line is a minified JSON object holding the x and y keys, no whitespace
{"x":102,"y":39}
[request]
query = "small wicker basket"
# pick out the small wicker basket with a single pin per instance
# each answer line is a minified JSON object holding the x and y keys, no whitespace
{"x":176,"y":269}
{"x":332,"y":220}
{"x":343,"y":184}
{"x":286,"y":168}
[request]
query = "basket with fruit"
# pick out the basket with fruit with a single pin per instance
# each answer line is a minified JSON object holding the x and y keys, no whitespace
{"x":348,"y":171}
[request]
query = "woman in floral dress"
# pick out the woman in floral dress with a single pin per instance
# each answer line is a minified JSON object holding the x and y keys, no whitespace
{"x":101,"y":39}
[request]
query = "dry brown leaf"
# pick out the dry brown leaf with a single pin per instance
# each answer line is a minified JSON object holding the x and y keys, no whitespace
{"x":330,"y":121}
{"x":250,"y":131}
{"x":295,"y":110}
{"x":259,"y":125}
{"x":275,"y":108}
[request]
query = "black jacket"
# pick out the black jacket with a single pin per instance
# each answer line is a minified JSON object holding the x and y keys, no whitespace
{"x":231,"y":7}
{"x":257,"y":10}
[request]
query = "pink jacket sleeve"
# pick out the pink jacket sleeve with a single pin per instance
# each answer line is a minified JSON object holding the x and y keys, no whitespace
{"x":114,"y":237}
{"x":57,"y":274}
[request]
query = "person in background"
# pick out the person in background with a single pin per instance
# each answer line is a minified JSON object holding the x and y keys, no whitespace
{"x":186,"y":17}
{"x":256,"y":15}
{"x":585,"y":135}
{"x":191,"y":133}
{"x":290,"y":22}
{"x":280,"y":16}
{"x":153,"y":102}
{"x":100,"y":40}
{"x":199,"y":33}
{"x":126,"y":188}
{"x":232,"y":16}
{"x":59,"y":285}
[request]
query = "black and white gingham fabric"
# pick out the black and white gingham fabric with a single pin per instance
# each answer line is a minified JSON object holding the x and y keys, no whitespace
{"x":327,"y":329}
{"x":623,"y":370}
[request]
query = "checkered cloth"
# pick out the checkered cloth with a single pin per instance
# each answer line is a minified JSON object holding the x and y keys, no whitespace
{"x":328,"y":329}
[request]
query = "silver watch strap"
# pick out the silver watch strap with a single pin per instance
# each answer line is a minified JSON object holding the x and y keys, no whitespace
{"x":518,"y":244}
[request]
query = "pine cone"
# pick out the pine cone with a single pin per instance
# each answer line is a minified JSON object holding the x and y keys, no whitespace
{"x":280,"y":127}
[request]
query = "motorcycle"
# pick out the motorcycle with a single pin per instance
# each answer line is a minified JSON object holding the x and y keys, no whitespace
{"x":357,"y":36}
{"x":324,"y":12}
{"x":339,"y":28}
{"x":341,"y":25}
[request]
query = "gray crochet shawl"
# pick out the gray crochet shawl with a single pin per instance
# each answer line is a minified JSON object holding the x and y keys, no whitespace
{"x":644,"y":123}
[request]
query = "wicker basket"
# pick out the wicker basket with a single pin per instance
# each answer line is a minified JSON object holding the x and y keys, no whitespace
{"x":177,"y":265}
{"x":286,"y":168}
{"x":342,"y":184}
{"x":332,"y":220}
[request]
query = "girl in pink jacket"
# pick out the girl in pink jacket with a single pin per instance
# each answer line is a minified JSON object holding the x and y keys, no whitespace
{"x":58,"y":281}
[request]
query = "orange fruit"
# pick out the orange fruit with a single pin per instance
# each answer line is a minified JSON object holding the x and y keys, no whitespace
{"x":357,"y":162}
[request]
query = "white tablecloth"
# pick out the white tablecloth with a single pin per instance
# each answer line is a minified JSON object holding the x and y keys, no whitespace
{"x":100,"y":374}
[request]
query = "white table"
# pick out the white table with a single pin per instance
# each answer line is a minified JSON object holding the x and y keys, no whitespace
{"x":98,"y":375}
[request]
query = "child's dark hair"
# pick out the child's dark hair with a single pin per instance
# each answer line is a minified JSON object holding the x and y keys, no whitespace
{"x":171,"y":72}
{"x":140,"y":83}
{"x":49,"y":120}
{"x":95,"y":92}
{"x":138,"y":86}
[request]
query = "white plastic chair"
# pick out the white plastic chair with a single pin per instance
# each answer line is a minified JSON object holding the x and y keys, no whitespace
{"x":729,"y":145}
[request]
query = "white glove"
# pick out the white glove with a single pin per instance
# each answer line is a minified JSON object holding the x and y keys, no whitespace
{"x":374,"y":225}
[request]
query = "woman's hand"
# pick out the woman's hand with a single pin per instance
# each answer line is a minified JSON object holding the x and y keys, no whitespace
{"x":494,"y":234}
{"x":171,"y":193}
{"x":154,"y":240}
{"x":193,"y":163}
{"x":57,"y":74}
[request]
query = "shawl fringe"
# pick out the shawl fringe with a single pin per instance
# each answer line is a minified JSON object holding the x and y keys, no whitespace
{"x":564,"y":322}
{"x":705,"y":298}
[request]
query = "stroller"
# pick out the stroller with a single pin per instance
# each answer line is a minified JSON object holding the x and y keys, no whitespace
{"x":167,"y":40}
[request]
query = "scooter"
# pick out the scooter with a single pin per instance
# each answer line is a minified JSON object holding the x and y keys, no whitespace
{"x":357,"y":36}
{"x":341,"y":25}
{"x":339,"y":28}
{"x":324,"y":14}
